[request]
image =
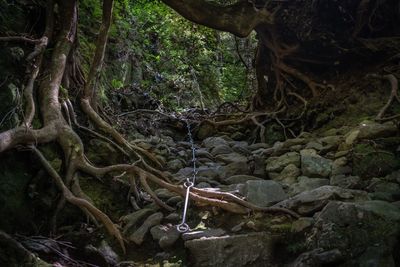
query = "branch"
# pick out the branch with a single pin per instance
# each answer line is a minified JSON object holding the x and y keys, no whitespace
{"x":239,"y":18}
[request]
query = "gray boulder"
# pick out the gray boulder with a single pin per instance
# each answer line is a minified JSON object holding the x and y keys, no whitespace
{"x":313,"y":165}
{"x":276,"y":164}
{"x":249,"y":250}
{"x":264,"y":192}
{"x":309,"y":202}
{"x":305,"y":183}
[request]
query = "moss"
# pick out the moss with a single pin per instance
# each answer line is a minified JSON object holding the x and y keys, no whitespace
{"x":104,"y":198}
{"x":370,"y":162}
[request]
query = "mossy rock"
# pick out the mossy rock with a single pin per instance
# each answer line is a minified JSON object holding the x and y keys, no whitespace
{"x":371,"y":162}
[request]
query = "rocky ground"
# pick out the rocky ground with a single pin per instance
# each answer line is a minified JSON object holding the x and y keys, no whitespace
{"x":344,"y":183}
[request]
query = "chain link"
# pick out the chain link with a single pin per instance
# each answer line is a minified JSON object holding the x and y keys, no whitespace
{"x":189,"y":183}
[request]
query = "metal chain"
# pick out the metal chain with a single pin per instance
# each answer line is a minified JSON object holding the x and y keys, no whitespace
{"x":189,"y":183}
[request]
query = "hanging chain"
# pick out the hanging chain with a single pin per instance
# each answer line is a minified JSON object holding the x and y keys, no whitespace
{"x":189,"y":183}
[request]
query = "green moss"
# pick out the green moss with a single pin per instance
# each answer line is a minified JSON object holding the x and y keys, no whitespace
{"x":370,"y":162}
{"x":104,"y":198}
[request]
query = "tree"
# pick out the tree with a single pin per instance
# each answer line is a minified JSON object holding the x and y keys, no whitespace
{"x":299,"y":38}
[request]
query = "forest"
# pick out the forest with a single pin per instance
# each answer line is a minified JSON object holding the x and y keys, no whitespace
{"x":199,"y":133}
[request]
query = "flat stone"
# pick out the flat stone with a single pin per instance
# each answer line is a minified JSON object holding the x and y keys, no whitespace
{"x":264,"y":192}
{"x":305,"y":183}
{"x":309,"y":202}
{"x":231,"y":157}
{"x":234,"y":168}
{"x":240,"y":179}
{"x":203,"y":233}
{"x":221,"y":149}
{"x":250,"y":250}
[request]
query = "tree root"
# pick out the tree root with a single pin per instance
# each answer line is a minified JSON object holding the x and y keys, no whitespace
{"x":394,"y":95}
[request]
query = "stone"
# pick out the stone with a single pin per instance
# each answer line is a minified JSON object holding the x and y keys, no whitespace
{"x":164,"y":193}
{"x":231,"y":157}
{"x":257,"y":146}
{"x":264,"y":192}
{"x":318,"y":257}
{"x":309,"y":202}
{"x":202,"y":153}
{"x":301,"y":224}
{"x":166,"y":235}
{"x":234,"y":168}
{"x":374,"y":227}
{"x":175,"y":165}
{"x":314,"y":145}
{"x":288,"y":175}
{"x":343,"y":181}
{"x":250,"y":250}
{"x":203,"y":185}
{"x":313,"y":165}
{"x":276,"y":164}
{"x":221,"y":149}
{"x":138,"y":236}
{"x":257,"y":166}
{"x":212,"y":232}
{"x":305,"y":183}
{"x":240,"y":179}
{"x":132,"y":219}
{"x":173,"y":217}
{"x":372,"y":130}
{"x":389,"y":189}
{"x":212,"y":142}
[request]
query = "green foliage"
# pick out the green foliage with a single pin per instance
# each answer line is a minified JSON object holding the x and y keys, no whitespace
{"x":152,"y":47}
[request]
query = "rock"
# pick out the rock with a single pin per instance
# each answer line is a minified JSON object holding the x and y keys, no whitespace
{"x":173,"y":217}
{"x":237,"y":227}
{"x":257,"y":165}
{"x":288,"y":175}
{"x":264,"y":192}
{"x":138,"y":236}
{"x":372,"y":130}
{"x":164,"y":193}
{"x":212,"y":142}
{"x":339,"y":166}
{"x":386,"y":191}
{"x":257,"y":146}
{"x":202,"y":153}
{"x":305,"y":183}
{"x":240,"y":179}
{"x":240,"y":250}
{"x":374,"y":228}
{"x":343,"y":181}
{"x":221,"y":149}
{"x":241,"y":147}
{"x":203,"y":233}
{"x":108,"y":253}
{"x":368,"y":161}
{"x":276,"y":164}
{"x":314,"y":145}
{"x":317,"y":258}
{"x":234,"y":168}
{"x":132,"y":219}
{"x":309,"y":202}
{"x":301,"y":224}
{"x":175,"y":165}
{"x":166,"y":235}
{"x":313,"y":165}
{"x":231,"y":157}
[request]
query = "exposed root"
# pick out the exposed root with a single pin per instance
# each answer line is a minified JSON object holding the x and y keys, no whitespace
{"x":394,"y":95}
{"x":80,"y":202}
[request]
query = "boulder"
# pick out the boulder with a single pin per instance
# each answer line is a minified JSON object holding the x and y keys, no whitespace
{"x":166,"y":235}
{"x":138,"y":236}
{"x":221,"y":149}
{"x":309,"y":202}
{"x":277,"y":164}
{"x":240,"y":179}
{"x":212,"y":142}
{"x":305,"y":183}
{"x":313,"y":165}
{"x":234,"y":168}
{"x":343,"y":181}
{"x":365,"y":233}
{"x":231,"y":157}
{"x":264,"y":192}
{"x":288,"y":175}
{"x":250,"y":250}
